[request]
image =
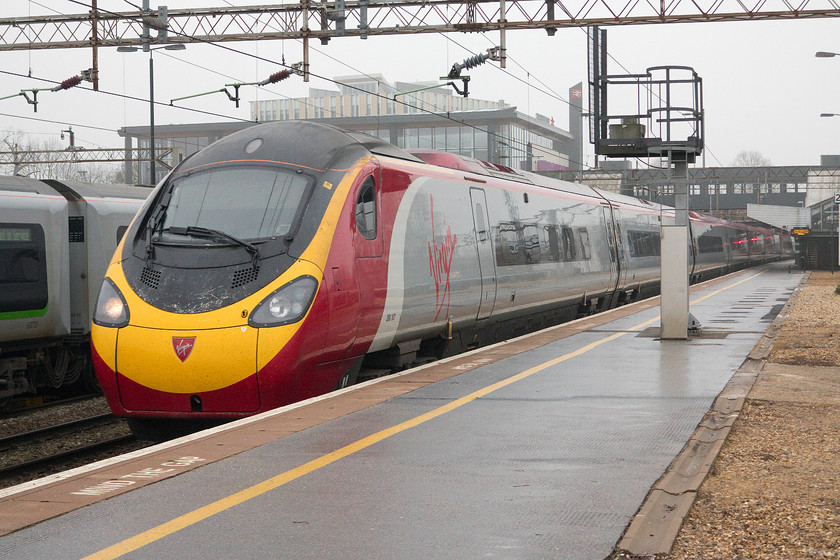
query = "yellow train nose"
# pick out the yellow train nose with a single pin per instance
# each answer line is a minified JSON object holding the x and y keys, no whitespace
{"x":187,"y":361}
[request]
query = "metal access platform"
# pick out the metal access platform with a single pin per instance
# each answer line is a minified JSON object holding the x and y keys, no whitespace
{"x":546,"y":446}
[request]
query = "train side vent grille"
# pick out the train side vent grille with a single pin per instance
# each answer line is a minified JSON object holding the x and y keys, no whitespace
{"x":244,"y":276}
{"x":150,"y":277}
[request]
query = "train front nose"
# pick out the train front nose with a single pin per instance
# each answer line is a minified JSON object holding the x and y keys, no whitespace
{"x":188,"y":371}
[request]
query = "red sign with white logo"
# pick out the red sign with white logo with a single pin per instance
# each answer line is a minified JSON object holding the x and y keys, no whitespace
{"x":183,"y":346}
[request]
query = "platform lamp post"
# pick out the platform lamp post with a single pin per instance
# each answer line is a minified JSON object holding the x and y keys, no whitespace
{"x":836,"y":195}
{"x":175,"y":47}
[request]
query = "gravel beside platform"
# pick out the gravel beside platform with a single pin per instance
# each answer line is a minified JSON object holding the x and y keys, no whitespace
{"x":774,"y":491}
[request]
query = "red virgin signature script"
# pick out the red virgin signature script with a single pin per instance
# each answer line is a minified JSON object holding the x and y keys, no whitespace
{"x":440,"y":264}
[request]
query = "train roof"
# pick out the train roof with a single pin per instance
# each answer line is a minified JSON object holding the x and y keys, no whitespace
{"x":281,"y":142}
{"x":25,"y":184}
{"x":72,"y":190}
{"x":98,"y":190}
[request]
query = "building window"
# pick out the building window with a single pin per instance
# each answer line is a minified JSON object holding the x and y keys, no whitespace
{"x":426,"y":139}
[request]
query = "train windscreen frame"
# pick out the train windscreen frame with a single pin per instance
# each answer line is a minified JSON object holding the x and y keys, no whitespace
{"x":248,"y":202}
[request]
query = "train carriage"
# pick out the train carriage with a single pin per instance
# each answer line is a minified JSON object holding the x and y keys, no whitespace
{"x":290,"y":258}
{"x":56,"y":239}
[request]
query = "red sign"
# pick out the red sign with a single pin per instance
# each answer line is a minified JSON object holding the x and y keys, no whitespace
{"x":577,"y":93}
{"x":183,"y":347}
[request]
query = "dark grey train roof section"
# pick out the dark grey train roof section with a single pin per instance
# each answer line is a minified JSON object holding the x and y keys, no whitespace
{"x":279,"y":141}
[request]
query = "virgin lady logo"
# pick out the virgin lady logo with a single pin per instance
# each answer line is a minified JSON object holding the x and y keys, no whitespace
{"x":440,"y":263}
{"x":183,"y":346}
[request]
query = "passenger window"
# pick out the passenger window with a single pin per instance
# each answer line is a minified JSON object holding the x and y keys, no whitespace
{"x":481,"y":226}
{"x":508,"y":244}
{"x":23,"y":272}
{"x":584,"y":243}
{"x":553,"y":243}
{"x":366,"y":209}
{"x":568,"y":244}
{"x":533,"y":252}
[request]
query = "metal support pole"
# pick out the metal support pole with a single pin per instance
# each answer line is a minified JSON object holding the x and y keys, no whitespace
{"x":94,"y":41}
{"x":502,"y":41}
{"x":128,"y":167}
{"x":305,"y":13}
{"x":152,"y":118}
{"x":674,"y":261}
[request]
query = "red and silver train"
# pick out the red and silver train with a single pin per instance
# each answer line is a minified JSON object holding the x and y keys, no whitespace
{"x":288,"y":259}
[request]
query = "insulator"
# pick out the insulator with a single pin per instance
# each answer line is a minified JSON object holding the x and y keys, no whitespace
{"x":474,"y":61}
{"x":276,"y":77}
{"x":68,"y":83}
{"x":471,"y":62}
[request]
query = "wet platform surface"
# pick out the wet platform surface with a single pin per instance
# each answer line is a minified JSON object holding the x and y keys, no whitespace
{"x":542,"y":447}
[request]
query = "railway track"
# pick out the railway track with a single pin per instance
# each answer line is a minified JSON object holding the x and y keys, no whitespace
{"x":39,"y":452}
{"x":23,"y":407}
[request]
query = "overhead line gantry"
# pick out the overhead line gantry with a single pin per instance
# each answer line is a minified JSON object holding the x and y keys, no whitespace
{"x":308,"y":20}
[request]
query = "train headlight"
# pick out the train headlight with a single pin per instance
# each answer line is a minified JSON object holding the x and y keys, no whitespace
{"x":111,"y":308}
{"x":287,"y":305}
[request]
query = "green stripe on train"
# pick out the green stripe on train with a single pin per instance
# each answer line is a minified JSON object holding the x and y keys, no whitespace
{"x":27,"y":314}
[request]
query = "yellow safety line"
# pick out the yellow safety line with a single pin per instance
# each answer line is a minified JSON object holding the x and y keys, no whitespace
{"x":219,"y":506}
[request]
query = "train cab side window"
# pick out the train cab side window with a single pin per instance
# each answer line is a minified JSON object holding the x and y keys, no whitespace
{"x":481,"y":227}
{"x":366,"y":209}
{"x":23,"y":273}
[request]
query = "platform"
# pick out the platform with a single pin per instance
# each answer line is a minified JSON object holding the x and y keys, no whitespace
{"x":541,"y":447}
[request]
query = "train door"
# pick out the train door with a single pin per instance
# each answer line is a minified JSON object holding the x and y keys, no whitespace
{"x":618,"y":259}
{"x":620,"y":249}
{"x":692,"y":251}
{"x":484,"y":246}
{"x":368,"y":248}
{"x":351,"y":274}
{"x":615,"y":268}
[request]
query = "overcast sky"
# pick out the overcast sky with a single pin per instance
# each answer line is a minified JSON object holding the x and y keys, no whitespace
{"x":763,"y":88}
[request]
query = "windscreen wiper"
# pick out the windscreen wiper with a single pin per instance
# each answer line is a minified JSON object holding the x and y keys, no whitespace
{"x":154,"y":223}
{"x":207,"y":233}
